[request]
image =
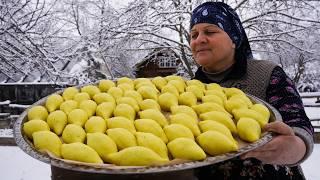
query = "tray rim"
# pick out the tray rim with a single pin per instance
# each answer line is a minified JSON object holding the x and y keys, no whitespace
{"x":28,"y":148}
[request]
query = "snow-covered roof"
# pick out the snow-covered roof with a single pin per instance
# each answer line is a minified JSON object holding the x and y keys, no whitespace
{"x":153,"y":53}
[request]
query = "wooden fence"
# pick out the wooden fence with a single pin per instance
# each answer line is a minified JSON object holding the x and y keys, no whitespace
{"x":315,"y":95}
{"x":316,"y":126}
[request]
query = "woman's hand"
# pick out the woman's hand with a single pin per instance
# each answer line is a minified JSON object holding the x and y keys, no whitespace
{"x":285,"y":148}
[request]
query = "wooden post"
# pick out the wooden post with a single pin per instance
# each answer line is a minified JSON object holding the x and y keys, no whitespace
{"x":316,"y":137}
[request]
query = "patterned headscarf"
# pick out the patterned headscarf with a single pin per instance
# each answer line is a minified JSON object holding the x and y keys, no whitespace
{"x":222,"y":15}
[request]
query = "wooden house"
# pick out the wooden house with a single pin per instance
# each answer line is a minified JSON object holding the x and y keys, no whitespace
{"x":160,"y":62}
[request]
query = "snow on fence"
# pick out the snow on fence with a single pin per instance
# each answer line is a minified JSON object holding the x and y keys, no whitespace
{"x":19,"y":106}
{"x":316,"y":126}
{"x":308,"y":95}
{"x":9,"y":113}
{"x":7,"y":102}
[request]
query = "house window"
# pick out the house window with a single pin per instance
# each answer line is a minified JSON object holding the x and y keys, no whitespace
{"x":167,"y":62}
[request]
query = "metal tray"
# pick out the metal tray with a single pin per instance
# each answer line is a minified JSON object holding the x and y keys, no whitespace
{"x":26,"y":145}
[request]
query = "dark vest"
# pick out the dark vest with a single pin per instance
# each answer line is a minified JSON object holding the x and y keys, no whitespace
{"x":256,"y":80}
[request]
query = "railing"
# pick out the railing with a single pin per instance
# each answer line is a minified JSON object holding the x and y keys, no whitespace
{"x":6,"y":125}
{"x":310,"y":95}
{"x":316,"y":103}
{"x":8,"y":117}
{"x":316,"y":126}
{"x":315,"y":95}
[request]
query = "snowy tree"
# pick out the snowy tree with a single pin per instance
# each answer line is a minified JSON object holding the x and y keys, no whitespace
{"x":90,"y":22}
{"x":158,"y":24}
{"x":287,"y":33}
{"x":25,"y":31}
{"x":84,"y":22}
{"x":82,"y":41}
{"x":282,"y":31}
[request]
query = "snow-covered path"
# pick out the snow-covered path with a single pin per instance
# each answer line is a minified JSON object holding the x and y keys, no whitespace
{"x":17,"y":165}
{"x":311,"y":165}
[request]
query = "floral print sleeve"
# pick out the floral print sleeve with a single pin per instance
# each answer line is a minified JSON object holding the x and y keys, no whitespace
{"x":283,"y":95}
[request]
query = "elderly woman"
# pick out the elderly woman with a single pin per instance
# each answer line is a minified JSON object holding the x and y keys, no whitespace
{"x":220,"y":46}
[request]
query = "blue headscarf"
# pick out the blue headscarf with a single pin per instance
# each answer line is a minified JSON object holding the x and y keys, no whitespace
{"x":222,"y":15}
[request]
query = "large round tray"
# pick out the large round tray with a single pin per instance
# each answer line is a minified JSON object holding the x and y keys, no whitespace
{"x":26,"y":145}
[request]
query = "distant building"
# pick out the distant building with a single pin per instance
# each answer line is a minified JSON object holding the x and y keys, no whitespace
{"x":160,"y":62}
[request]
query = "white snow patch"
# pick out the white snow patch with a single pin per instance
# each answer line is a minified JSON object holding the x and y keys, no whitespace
{"x":77,"y":68}
{"x":311,"y":165}
{"x":38,"y":79}
{"x":6,"y":133}
{"x":313,"y":113}
{"x":5,"y":102}
{"x":17,"y":165}
{"x":21,"y":106}
{"x":309,"y":94}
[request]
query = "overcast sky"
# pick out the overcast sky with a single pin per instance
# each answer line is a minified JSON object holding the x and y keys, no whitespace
{"x":119,"y":4}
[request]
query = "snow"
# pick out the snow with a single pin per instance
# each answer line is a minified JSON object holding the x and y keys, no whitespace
{"x":6,"y":133}
{"x":19,"y":106}
{"x":309,"y":94}
{"x":119,"y":4}
{"x":311,"y":99}
{"x":312,"y":112}
{"x":17,"y":165}
{"x":4,"y":114}
{"x":79,"y":67}
{"x":311,"y":165}
{"x":5,"y":102}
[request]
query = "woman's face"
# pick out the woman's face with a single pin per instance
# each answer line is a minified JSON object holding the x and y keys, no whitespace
{"x":212,"y":47}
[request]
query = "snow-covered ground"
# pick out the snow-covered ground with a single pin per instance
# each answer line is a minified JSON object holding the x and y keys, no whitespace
{"x":6,"y":132}
{"x":312,"y":112}
{"x":17,"y":165}
{"x":311,"y":165}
